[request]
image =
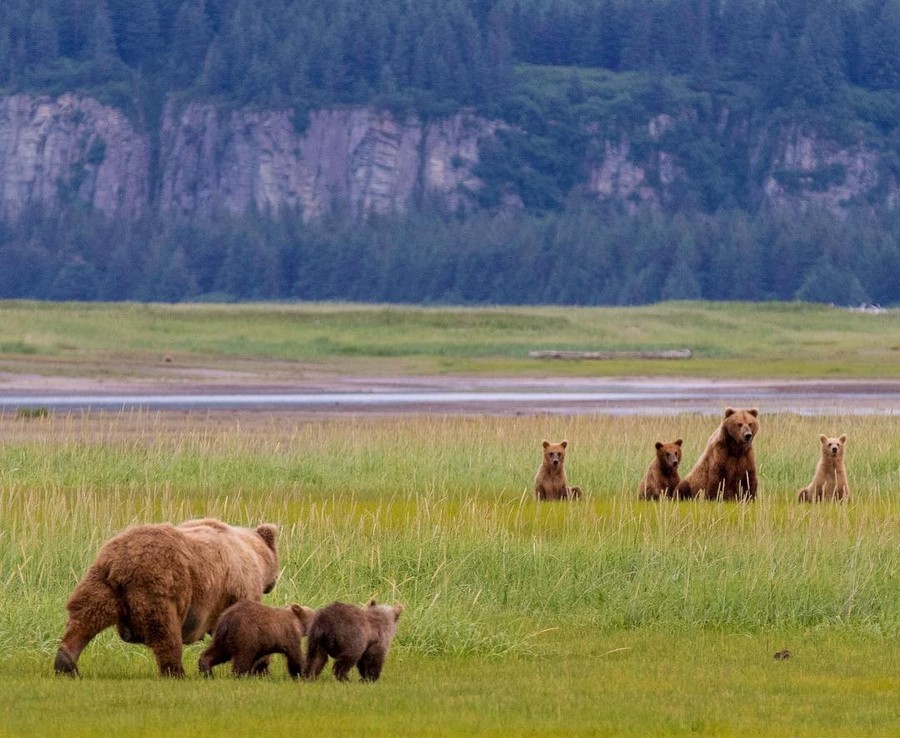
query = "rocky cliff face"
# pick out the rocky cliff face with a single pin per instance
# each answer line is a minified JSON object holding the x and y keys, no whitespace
{"x":55,"y":148}
{"x":366,"y":160}
{"x":799,"y":169}
{"x":212,"y":160}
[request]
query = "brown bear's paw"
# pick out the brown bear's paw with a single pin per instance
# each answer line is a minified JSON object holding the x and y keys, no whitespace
{"x":683,"y":492}
{"x":65,"y":664}
{"x":173,"y":671}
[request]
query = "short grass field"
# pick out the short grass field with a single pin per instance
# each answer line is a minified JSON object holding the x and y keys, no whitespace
{"x":743,"y":340}
{"x":606,"y":616}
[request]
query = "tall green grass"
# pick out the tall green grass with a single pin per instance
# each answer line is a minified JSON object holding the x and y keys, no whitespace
{"x":604,"y":617}
{"x":437,"y":513}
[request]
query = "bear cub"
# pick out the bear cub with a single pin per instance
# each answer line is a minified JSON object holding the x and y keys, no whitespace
{"x":830,"y":479}
{"x":550,"y":480}
{"x":662,"y":478}
{"x":249,"y":632}
{"x":352,"y":636}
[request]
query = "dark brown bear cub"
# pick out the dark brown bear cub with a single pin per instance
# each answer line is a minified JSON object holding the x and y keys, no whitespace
{"x":662,"y":478}
{"x":352,"y":636}
{"x":249,"y":632}
{"x":550,"y":480}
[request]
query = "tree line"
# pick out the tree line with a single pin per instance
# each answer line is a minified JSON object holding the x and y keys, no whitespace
{"x":439,"y":54}
{"x":578,"y":256}
{"x":566,"y":74}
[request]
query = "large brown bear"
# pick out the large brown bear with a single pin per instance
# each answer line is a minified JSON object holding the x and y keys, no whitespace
{"x":249,"y":632}
{"x":165,"y":586}
{"x":550,"y":480}
{"x":662,"y":479}
{"x":830,"y":479}
{"x":727,"y":468}
{"x":352,"y":636}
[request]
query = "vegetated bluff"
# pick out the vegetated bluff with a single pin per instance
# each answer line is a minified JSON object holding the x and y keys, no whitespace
{"x":206,"y":159}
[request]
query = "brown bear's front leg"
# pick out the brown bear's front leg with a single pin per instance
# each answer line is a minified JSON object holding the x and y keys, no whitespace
{"x":294,"y":660}
{"x":92,"y":608}
{"x":370,"y":665}
{"x":751,"y":485}
{"x":683,"y":491}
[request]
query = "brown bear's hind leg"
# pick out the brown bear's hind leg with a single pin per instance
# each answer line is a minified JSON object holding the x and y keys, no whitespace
{"x":342,"y":666}
{"x":261,"y":666}
{"x":316,"y":658}
{"x":92,"y":608}
{"x":161,"y":632}
{"x":244,"y":664}
{"x":212,"y":656}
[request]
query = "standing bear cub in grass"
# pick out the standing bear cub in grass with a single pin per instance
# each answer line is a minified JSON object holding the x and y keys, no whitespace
{"x":661,"y":479}
{"x":727,"y":468}
{"x":550,"y":481}
{"x":830,"y":479}
{"x":249,"y":632}
{"x":352,"y":636}
{"x":165,"y":586}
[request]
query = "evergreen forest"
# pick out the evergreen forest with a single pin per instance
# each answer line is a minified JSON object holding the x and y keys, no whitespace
{"x":552,"y":70}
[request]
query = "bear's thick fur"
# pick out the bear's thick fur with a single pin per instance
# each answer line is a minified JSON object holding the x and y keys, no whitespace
{"x":662,"y":479}
{"x":352,"y":636}
{"x":550,"y":480}
{"x":165,"y":586}
{"x":249,"y":632}
{"x":830,"y":480}
{"x":727,"y":468}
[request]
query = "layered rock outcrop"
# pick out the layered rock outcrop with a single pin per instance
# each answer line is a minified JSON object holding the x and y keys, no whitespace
{"x":206,"y":159}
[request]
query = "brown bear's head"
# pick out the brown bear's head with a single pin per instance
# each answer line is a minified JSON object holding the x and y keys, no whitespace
{"x":267,"y":532}
{"x":554,"y":453}
{"x":833,"y":447}
{"x":741,"y":425}
{"x":669,"y":454}
{"x":305,"y":615}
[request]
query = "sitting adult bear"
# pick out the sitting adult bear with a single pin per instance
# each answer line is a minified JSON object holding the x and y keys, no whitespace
{"x":165,"y":586}
{"x":727,"y":468}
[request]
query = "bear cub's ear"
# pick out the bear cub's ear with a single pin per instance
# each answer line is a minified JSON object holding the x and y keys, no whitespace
{"x":679,"y":442}
{"x":843,"y":438}
{"x":305,"y":615}
{"x":545,"y":443}
{"x":398,"y":610}
{"x":729,"y":411}
{"x":822,"y":438}
{"x":754,"y":412}
{"x":563,"y":443}
{"x":659,"y":445}
{"x":267,"y":532}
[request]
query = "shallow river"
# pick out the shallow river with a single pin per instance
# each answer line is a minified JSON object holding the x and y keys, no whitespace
{"x":495,"y":396}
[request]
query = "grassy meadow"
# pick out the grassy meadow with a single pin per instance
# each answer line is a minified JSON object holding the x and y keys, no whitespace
{"x":727,"y":339}
{"x":603,"y":617}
